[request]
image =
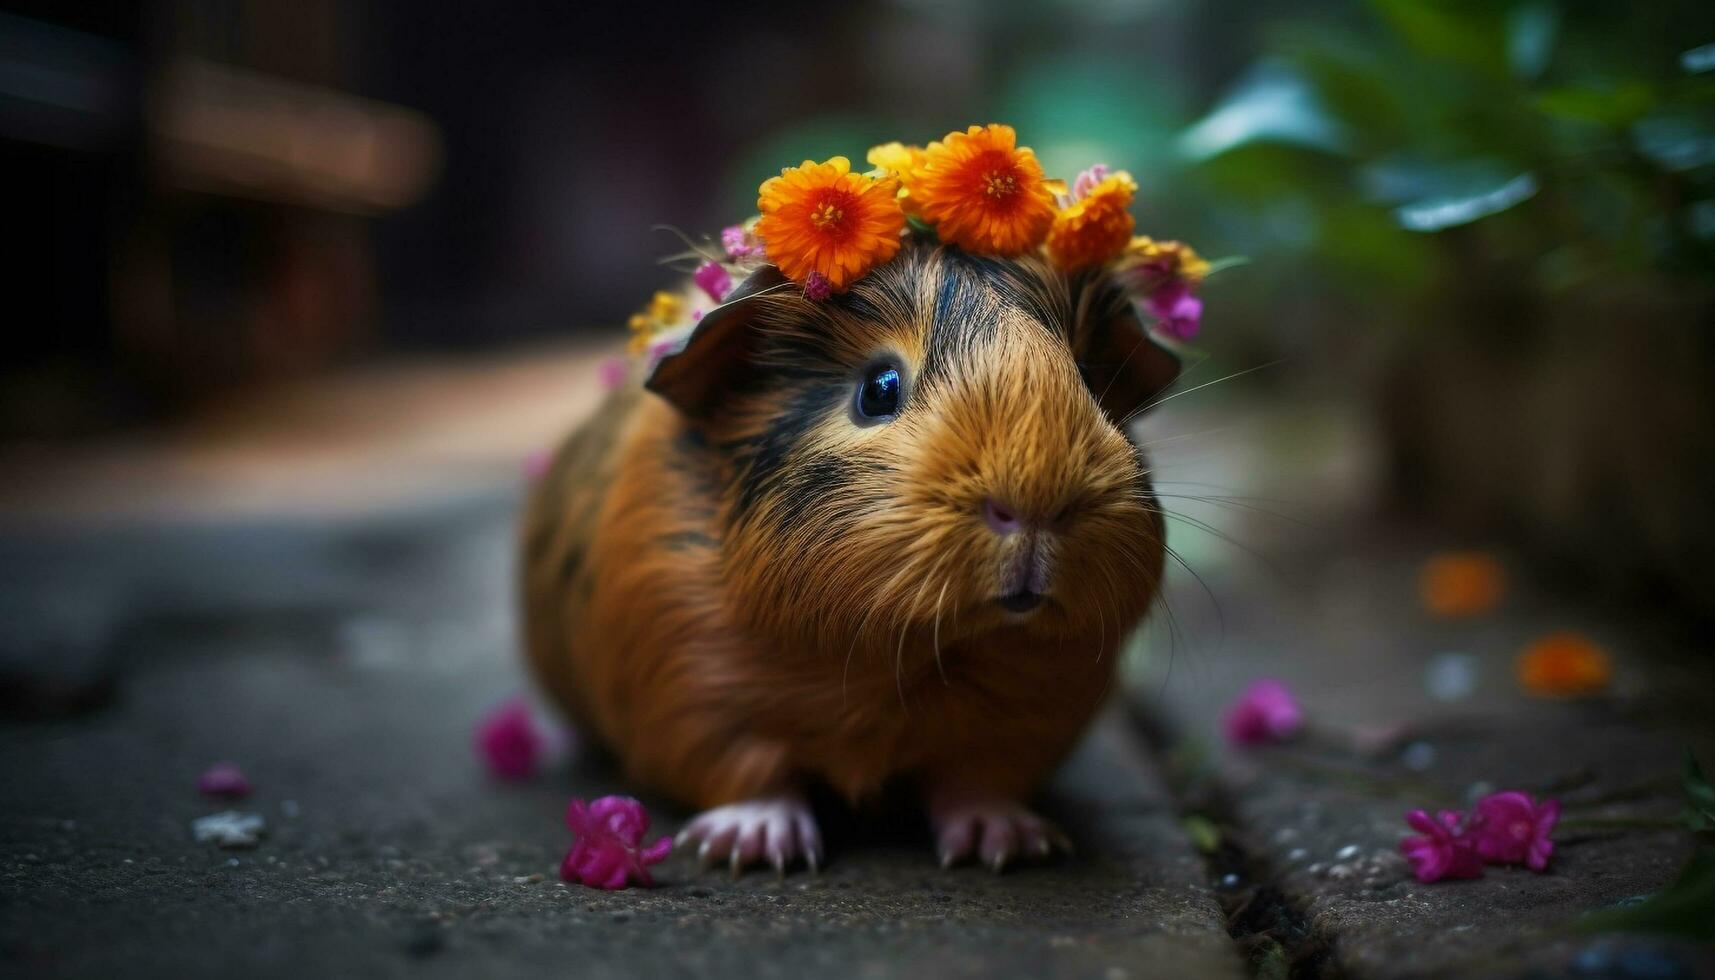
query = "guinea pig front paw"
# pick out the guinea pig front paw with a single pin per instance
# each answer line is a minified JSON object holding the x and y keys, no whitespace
{"x":996,"y":831}
{"x":780,"y":829}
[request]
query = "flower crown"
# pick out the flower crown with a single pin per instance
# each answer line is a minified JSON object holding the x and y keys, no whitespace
{"x":824,"y":227}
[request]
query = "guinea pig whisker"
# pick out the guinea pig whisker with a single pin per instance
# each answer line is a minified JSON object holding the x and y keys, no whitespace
{"x":846,"y":671}
{"x":1134,"y":413}
{"x":1216,"y":532}
{"x":899,"y":667}
{"x":1141,"y":341}
{"x":700,"y":249}
{"x":1235,"y":503}
{"x":1164,"y":440}
{"x":863,"y":627}
{"x":1220,"y":614}
{"x":1101,"y":631}
{"x":936,"y":640}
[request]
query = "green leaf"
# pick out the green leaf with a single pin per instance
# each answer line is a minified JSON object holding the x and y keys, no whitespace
{"x":1531,"y":28}
{"x":1679,"y":143}
{"x":1698,"y":59}
{"x":1611,"y":104}
{"x":1272,"y":103}
{"x":1205,"y":836}
{"x":1435,"y":214}
{"x":1471,"y":35}
{"x":1699,"y":795}
{"x":1226,"y":262}
{"x":1685,"y":908}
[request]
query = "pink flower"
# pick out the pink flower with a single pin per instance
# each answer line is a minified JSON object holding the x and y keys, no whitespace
{"x":607,"y":846}
{"x":1444,"y":851}
{"x":224,"y":779}
{"x":612,"y":372}
{"x":535,"y":465}
{"x":817,"y":287}
{"x":667,"y":347}
{"x":1088,"y":180}
{"x":739,"y":244}
{"x":1178,"y":314}
{"x":508,"y":742}
{"x":712,"y":278}
{"x":1512,"y":828}
{"x":1265,"y":712}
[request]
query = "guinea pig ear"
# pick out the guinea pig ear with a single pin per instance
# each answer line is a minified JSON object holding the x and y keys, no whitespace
{"x":694,"y":376}
{"x":1123,"y":365}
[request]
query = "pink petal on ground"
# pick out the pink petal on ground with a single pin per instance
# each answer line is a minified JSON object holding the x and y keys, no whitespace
{"x":1444,"y":850}
{"x":606,"y":851}
{"x":508,"y":741}
{"x":1265,"y":712}
{"x":224,"y":779}
{"x":1512,"y":828}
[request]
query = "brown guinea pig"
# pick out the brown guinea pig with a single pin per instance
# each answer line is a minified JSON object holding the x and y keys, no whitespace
{"x":899,"y":534}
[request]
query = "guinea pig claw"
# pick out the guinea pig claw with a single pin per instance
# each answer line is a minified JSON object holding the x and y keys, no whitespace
{"x":768,"y":831}
{"x":947,"y":860}
{"x":999,"y":863}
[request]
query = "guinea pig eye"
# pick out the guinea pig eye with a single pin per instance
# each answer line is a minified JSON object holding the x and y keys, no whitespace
{"x":878,"y":394}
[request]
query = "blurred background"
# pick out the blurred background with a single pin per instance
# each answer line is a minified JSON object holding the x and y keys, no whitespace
{"x":1485,"y":230}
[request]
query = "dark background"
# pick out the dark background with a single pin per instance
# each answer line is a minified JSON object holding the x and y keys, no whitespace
{"x":1488,"y":230}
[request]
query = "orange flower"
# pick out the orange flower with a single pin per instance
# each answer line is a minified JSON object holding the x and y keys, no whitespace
{"x":1564,"y":665}
{"x":1095,"y":228}
{"x":822,"y":218}
{"x":982,"y":192}
{"x":1461,"y":583}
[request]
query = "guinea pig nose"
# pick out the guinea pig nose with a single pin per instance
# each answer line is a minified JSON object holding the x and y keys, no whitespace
{"x":1001,"y":518}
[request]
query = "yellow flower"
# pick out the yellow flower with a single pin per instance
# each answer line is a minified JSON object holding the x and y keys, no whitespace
{"x":1095,"y":228}
{"x":983,"y":192}
{"x":895,"y":157}
{"x":901,"y":161}
{"x":822,"y":218}
{"x":1162,"y":261}
{"x":664,"y":310}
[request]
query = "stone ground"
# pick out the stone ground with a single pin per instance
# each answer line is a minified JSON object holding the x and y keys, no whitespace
{"x":328,"y":602}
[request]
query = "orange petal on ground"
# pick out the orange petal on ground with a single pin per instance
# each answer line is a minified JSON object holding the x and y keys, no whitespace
{"x":1457,"y":584}
{"x":1564,"y":664}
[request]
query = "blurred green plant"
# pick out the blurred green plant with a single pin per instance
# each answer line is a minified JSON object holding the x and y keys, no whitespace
{"x":1686,"y":907}
{"x":1576,"y":141}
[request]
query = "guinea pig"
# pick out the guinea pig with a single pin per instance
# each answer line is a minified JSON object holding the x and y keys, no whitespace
{"x":892,"y":537}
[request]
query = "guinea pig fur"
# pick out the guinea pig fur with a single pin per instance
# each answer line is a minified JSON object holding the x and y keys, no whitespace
{"x":774,"y":563}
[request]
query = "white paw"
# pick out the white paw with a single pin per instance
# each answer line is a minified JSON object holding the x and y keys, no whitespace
{"x":996,"y":831}
{"x":778,"y":829}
